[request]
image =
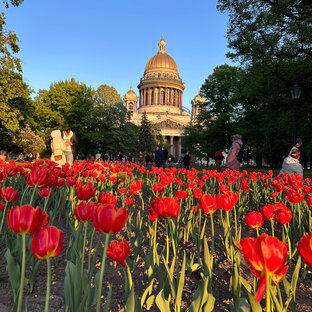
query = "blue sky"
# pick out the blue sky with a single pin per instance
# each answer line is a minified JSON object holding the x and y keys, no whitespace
{"x":109,"y":42}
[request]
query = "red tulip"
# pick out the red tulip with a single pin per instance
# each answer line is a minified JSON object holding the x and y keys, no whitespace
{"x":191,"y":185}
{"x":45,"y":192}
{"x":163,"y":208}
{"x":295,"y":197}
{"x":227,"y":201}
{"x":85,"y":191}
{"x":39,"y":176}
{"x":282,"y":215}
{"x":108,"y":219}
{"x":309,"y":201}
{"x":195,"y":208}
{"x":47,"y":243}
{"x":26,"y":219}
{"x":136,"y":186}
{"x":8,"y":194}
{"x":305,"y":249}
{"x":208,"y":204}
{"x":158,"y":187}
{"x":84,"y":211}
{"x":71,"y":181}
{"x":129,"y":201}
{"x":224,"y":188}
{"x":122,"y":190}
{"x":267,"y":212}
{"x":267,"y":256}
{"x":254,"y":219}
{"x":107,"y":199}
{"x":198,"y":193}
{"x":119,"y":251}
{"x":181,"y":194}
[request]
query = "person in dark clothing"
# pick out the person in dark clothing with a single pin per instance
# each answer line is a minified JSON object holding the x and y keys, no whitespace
{"x":129,"y":157}
{"x":187,"y":160}
{"x":218,"y":156}
{"x":159,"y":157}
{"x":165,"y":155}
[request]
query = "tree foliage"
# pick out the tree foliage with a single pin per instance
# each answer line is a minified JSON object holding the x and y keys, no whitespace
{"x":28,"y":142}
{"x":107,"y":95}
{"x":274,"y":33}
{"x":146,"y":138}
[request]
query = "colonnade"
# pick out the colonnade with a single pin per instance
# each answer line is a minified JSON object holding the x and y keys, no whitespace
{"x":161,"y":96}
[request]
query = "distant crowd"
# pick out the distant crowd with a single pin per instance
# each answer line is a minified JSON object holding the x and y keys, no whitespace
{"x":64,"y":150}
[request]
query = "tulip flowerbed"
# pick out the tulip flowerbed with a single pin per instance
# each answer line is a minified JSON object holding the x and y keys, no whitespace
{"x":124,"y":237}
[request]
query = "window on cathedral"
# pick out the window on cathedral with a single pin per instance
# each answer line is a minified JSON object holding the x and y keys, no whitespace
{"x":152,"y":97}
{"x":130,"y":107}
{"x":146,"y":98}
{"x":159,"y":75}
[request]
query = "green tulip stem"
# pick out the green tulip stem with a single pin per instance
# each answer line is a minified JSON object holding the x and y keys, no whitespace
{"x":46,"y":200}
{"x":26,"y":188}
{"x":21,"y":290}
{"x":84,"y":245}
{"x":98,"y":305}
{"x":90,"y":249}
{"x":3,"y":215}
{"x":167,"y":242}
{"x":257,"y":229}
{"x":155,"y":234}
{"x":288,"y":241}
{"x":47,"y":301}
{"x":32,"y":195}
{"x":272,"y":227}
{"x":141,"y":200}
{"x":267,"y":293}
{"x":212,"y":234}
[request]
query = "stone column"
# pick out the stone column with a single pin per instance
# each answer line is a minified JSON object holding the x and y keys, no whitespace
{"x":159,"y":96}
{"x":180,"y":98}
{"x":178,"y":151}
{"x":141,"y":93}
{"x":149,"y":96}
{"x":166,"y":96}
{"x":144,"y":96}
{"x":154,"y":93}
{"x":171,"y":145}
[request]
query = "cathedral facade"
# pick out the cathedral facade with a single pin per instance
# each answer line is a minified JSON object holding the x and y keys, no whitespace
{"x":160,"y":97}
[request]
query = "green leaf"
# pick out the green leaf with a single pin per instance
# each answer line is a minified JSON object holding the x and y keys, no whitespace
{"x":255,"y":306}
{"x":108,"y":299}
{"x":147,"y":291}
{"x":181,"y":284}
{"x":150,"y":302}
{"x":130,"y":304}
{"x":14,"y":271}
{"x":245,"y":284}
{"x":295,"y":275}
{"x":162,"y":303}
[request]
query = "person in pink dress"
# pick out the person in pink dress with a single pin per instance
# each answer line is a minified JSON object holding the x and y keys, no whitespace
{"x":231,"y":159}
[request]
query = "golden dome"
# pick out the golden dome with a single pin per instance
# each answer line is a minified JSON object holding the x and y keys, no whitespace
{"x":161,"y":60}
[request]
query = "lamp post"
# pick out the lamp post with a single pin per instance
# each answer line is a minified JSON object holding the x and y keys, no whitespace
{"x":295,"y":95}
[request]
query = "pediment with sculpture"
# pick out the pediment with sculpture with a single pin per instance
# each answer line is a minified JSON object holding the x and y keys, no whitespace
{"x":169,"y":124}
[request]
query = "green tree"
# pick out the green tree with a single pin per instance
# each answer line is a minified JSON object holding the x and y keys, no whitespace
{"x":109,"y":131}
{"x":107,"y":95}
{"x":65,"y":103}
{"x":146,"y":138}
{"x":271,"y":32}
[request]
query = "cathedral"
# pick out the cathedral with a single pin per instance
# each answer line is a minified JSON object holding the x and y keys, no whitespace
{"x":160,"y":97}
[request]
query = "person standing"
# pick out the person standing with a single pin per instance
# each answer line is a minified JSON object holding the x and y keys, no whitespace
{"x":71,"y":144}
{"x":159,"y":157}
{"x":231,"y":159}
{"x":218,"y":156}
{"x":291,"y":163}
{"x":58,"y":148}
{"x":165,"y":155}
{"x":187,"y":160}
{"x":296,"y":146}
